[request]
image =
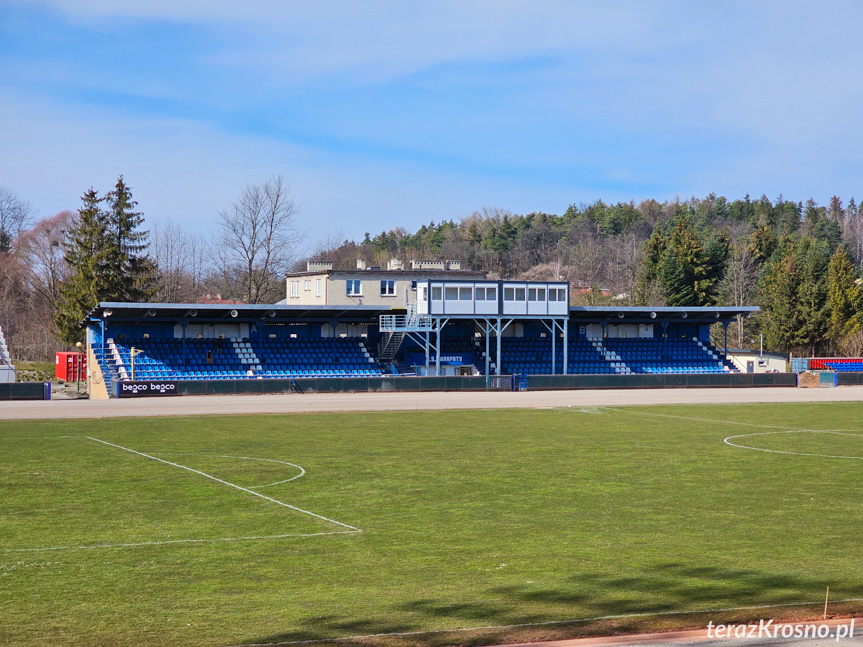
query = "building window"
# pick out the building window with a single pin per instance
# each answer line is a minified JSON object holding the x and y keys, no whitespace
{"x":451,"y":294}
{"x":437,"y":294}
{"x":388,"y":288}
{"x":465,"y":294}
{"x":307,"y":286}
{"x":509,"y":294}
{"x":540,"y":294}
{"x":318,"y":287}
{"x":531,"y":294}
{"x":354,"y":288}
{"x":519,"y":294}
{"x":295,"y":288}
{"x":491,"y":294}
{"x":480,"y":294}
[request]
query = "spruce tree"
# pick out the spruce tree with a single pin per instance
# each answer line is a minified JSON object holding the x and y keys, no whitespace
{"x":794,"y":297}
{"x":844,"y":297}
{"x":780,"y":316}
{"x":130,"y":273}
{"x":105,"y":253}
{"x":88,"y":258}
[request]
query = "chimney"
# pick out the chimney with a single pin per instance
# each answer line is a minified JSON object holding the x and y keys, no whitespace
{"x":361,"y":264}
{"x":453,"y":265}
{"x":319,"y":266}
{"x":395,"y":264}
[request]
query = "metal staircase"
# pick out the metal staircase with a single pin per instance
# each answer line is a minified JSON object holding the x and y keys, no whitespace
{"x":389,"y":346}
{"x":397,"y":327}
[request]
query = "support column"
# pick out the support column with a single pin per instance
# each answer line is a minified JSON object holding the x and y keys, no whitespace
{"x":497,"y":336}
{"x":487,"y":332}
{"x":725,"y":324}
{"x":183,"y":354}
{"x":566,"y":347}
{"x":427,"y":344}
{"x":553,"y":347}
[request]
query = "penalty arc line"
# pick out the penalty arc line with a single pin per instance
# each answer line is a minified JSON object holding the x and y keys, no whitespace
{"x":246,"y":458}
{"x":223,"y":482}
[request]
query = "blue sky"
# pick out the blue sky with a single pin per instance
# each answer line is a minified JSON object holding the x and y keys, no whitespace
{"x":381,"y":114}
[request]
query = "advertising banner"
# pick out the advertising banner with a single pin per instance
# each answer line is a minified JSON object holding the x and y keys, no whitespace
{"x":145,"y":389}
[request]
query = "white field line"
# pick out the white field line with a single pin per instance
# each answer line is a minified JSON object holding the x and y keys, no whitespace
{"x":726,"y":422}
{"x":727,"y":441}
{"x":779,"y":430}
{"x":37,"y":437}
{"x":243,"y":458}
{"x":179,"y":541}
{"x":233,"y":485}
{"x":573,"y":621}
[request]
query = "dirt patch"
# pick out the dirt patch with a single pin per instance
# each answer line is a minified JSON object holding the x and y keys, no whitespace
{"x":809,"y":380}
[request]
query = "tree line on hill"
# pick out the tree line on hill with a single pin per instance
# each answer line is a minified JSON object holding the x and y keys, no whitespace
{"x":800,"y":262}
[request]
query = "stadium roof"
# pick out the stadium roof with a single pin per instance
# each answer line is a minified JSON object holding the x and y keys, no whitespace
{"x":142,"y":312}
{"x":211,"y":311}
{"x":652,"y":314}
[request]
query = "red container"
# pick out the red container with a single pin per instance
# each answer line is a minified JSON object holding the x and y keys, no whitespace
{"x":71,"y":367}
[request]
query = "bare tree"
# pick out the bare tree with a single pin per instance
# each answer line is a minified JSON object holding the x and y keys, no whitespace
{"x":42,"y":252}
{"x":15,"y":215}
{"x":589,"y":269}
{"x":627,"y":254}
{"x":257,"y":242}
{"x":852,"y":345}
{"x":737,"y":286}
{"x":181,"y":258}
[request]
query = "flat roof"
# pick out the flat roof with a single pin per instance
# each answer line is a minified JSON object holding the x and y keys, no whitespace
{"x":275,"y":313}
{"x":647,"y":314}
{"x":382,"y":270}
{"x":278,"y":313}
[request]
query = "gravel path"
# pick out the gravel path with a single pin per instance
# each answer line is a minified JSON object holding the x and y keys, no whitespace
{"x":302,"y":403}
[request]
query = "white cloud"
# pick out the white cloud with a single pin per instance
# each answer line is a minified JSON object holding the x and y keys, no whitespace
{"x":186,"y":172}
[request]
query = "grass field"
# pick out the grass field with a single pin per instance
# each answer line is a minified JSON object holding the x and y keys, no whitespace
{"x":431,"y":521}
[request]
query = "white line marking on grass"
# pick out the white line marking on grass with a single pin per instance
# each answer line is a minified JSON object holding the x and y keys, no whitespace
{"x":621,"y":616}
{"x":727,"y":441}
{"x":728,"y":422}
{"x":180,"y":541}
{"x":244,"y":458}
{"x":37,"y":437}
{"x":779,"y":430}
{"x":233,"y":485}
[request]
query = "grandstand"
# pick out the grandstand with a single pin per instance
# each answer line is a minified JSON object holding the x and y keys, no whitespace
{"x":838,"y":364}
{"x":616,"y":356}
{"x":482,"y":330}
{"x":232,"y":359}
{"x":7,"y":371}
